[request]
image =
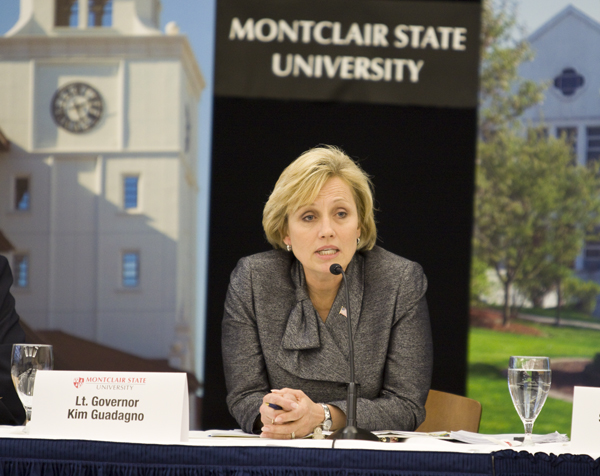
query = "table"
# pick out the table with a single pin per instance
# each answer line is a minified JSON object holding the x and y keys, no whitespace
{"x":259,"y":457}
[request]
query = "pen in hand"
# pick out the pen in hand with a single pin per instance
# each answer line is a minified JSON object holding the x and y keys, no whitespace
{"x":274,"y":406}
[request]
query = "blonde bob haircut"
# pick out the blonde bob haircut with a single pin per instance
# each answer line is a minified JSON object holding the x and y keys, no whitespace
{"x":302,"y":180}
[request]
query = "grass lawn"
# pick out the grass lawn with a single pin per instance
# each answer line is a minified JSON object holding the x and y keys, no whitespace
{"x":488,"y":358}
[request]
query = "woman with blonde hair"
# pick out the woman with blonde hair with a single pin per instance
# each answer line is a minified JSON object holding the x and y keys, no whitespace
{"x":285,"y":343}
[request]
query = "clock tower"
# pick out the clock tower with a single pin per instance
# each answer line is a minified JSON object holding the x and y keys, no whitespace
{"x":98,"y":189}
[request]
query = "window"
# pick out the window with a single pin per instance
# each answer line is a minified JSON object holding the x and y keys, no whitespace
{"x":569,"y":134}
{"x":130,"y":192}
{"x":593,"y":143}
{"x":568,"y":81}
{"x":22,"y":197}
{"x":591,"y":260}
{"x":130,"y":269}
{"x":21,"y":270}
{"x":100,"y":13}
{"x":66,"y":13}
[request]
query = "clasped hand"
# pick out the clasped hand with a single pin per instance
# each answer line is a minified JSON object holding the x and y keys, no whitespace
{"x":297,"y":418}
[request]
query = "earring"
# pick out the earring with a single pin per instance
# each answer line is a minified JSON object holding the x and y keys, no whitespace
{"x":358,"y":241}
{"x":289,"y":247}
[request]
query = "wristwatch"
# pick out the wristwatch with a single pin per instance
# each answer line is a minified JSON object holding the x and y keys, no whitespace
{"x":327,"y":422}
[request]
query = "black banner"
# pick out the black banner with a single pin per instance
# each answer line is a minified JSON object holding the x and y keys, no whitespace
{"x":416,"y":139}
{"x":380,"y":51}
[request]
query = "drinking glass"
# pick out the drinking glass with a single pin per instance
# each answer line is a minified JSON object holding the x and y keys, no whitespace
{"x":529,"y":383}
{"x":26,"y":360}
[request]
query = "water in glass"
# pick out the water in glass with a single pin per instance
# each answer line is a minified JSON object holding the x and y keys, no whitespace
{"x":24,"y":385}
{"x":529,"y":381}
{"x":26,"y":360}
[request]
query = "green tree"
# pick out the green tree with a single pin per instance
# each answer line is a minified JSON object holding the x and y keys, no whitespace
{"x":581,"y":294}
{"x":503,"y":95}
{"x":533,"y":207}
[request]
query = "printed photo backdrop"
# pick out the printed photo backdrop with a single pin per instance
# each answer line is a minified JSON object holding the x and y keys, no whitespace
{"x":535,"y":269}
{"x":393,"y":84}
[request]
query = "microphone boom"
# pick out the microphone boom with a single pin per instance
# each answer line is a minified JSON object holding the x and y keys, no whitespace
{"x":351,"y":430}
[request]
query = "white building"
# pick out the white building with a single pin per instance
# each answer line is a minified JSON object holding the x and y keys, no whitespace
{"x":98,"y":189}
{"x":567,"y":55}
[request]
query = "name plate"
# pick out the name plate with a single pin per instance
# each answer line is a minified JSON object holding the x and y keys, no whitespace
{"x":585,"y":425}
{"x":142,"y":407}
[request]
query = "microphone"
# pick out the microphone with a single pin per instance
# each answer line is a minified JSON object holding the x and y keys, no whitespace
{"x":351,"y":430}
{"x":337,"y":269}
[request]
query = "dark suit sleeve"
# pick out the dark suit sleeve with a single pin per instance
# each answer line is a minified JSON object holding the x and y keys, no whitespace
{"x":11,"y":410}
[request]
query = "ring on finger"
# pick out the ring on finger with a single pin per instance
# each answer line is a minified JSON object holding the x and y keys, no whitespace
{"x":272,"y":421}
{"x":293,"y":435}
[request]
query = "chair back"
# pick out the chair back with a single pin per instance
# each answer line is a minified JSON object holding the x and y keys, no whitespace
{"x":449,"y":412}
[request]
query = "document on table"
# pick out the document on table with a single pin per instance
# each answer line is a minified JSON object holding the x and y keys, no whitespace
{"x":511,"y":439}
{"x":222,"y":434}
{"x":460,"y":436}
{"x":477,"y":438}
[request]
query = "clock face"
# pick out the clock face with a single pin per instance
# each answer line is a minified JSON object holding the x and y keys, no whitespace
{"x":77,"y":107}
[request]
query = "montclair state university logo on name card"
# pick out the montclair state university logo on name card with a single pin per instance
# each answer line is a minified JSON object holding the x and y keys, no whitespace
{"x":114,"y":406}
{"x":109,"y":382}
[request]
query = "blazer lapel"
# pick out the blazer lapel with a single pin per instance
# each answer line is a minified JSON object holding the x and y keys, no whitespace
{"x":305,"y":351}
{"x":336,"y":321}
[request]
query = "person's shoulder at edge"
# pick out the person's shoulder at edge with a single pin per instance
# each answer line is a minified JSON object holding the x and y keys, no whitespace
{"x":3,"y":265}
{"x":11,"y":410}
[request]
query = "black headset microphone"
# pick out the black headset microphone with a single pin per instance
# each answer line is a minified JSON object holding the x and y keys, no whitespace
{"x":351,"y":430}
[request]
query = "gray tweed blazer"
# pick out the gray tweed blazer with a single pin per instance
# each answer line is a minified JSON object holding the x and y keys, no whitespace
{"x":274,"y":338}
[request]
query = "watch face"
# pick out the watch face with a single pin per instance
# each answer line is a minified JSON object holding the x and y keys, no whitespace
{"x":77,"y":107}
